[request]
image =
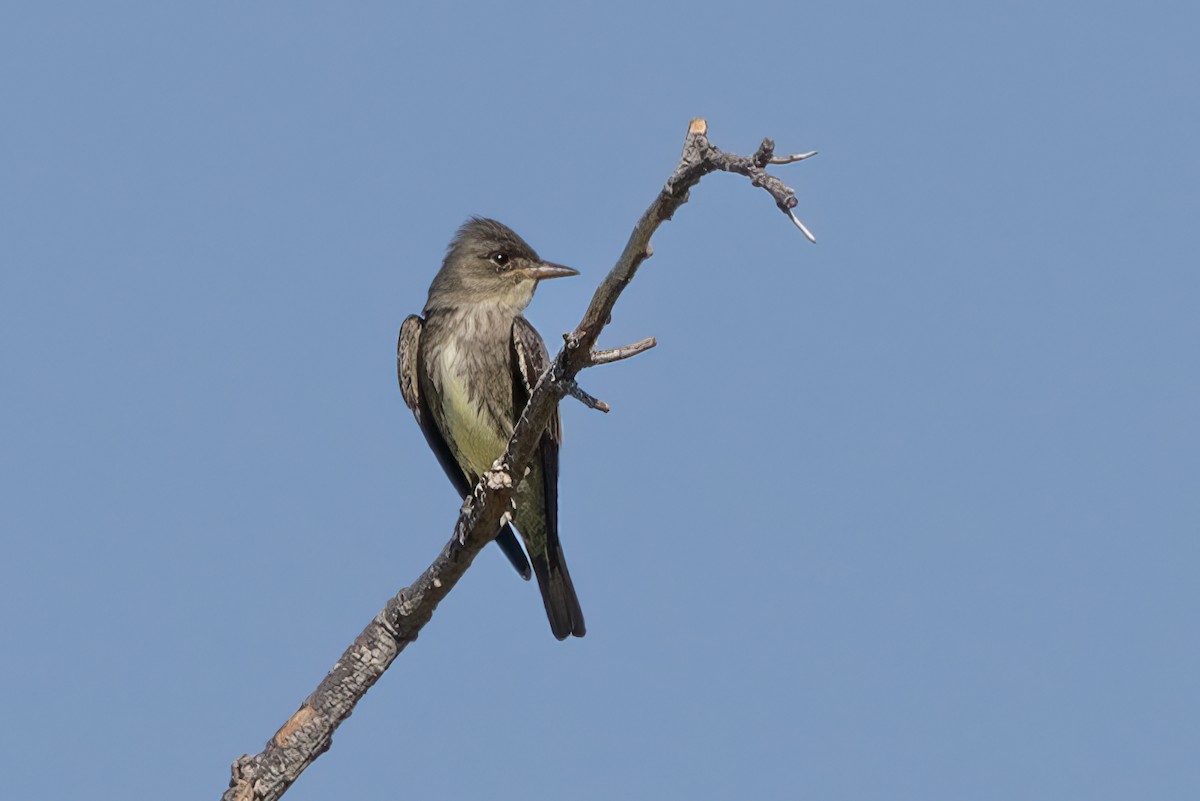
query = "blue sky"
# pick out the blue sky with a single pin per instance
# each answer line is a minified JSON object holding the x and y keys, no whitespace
{"x":908,"y":514}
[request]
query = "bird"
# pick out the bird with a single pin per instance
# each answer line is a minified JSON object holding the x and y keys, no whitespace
{"x":467,"y":369}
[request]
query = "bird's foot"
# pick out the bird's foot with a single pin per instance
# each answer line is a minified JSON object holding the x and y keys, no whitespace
{"x":498,"y":477}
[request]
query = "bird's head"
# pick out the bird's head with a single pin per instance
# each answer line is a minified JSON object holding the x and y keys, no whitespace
{"x":487,"y":263}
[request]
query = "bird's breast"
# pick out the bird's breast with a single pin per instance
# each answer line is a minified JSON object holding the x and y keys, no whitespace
{"x":474,"y":384}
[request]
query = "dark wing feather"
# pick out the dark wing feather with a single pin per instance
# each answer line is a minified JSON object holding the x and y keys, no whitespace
{"x":532,"y":361}
{"x":408,"y":370}
{"x":558,"y":592}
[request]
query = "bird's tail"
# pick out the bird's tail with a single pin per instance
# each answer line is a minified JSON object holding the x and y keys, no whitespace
{"x":507,"y":541}
{"x":558,"y":593}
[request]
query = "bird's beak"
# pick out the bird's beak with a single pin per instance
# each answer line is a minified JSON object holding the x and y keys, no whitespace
{"x":540,"y":272}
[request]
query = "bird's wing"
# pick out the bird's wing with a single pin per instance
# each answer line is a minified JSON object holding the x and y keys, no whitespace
{"x":408,"y":371}
{"x":558,"y":592}
{"x":408,"y":354}
{"x":532,"y":360}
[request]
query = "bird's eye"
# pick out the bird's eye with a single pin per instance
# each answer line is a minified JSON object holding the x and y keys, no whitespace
{"x":500,"y":260}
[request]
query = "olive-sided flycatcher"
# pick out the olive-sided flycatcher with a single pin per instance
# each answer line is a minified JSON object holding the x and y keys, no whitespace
{"x":467,"y":370}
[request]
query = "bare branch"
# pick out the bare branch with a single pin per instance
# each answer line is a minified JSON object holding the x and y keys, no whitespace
{"x":617,"y":354}
{"x":309,"y":732}
{"x":753,"y":168}
{"x":803,"y":229}
{"x":576,"y":392}
{"x":792,"y":159}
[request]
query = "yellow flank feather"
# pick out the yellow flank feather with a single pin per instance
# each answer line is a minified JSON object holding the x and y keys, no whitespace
{"x":474,"y":438}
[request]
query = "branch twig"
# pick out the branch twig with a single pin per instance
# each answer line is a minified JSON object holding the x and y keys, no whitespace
{"x":617,"y":354}
{"x":590,"y":401}
{"x":792,"y":159}
{"x":309,"y":732}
